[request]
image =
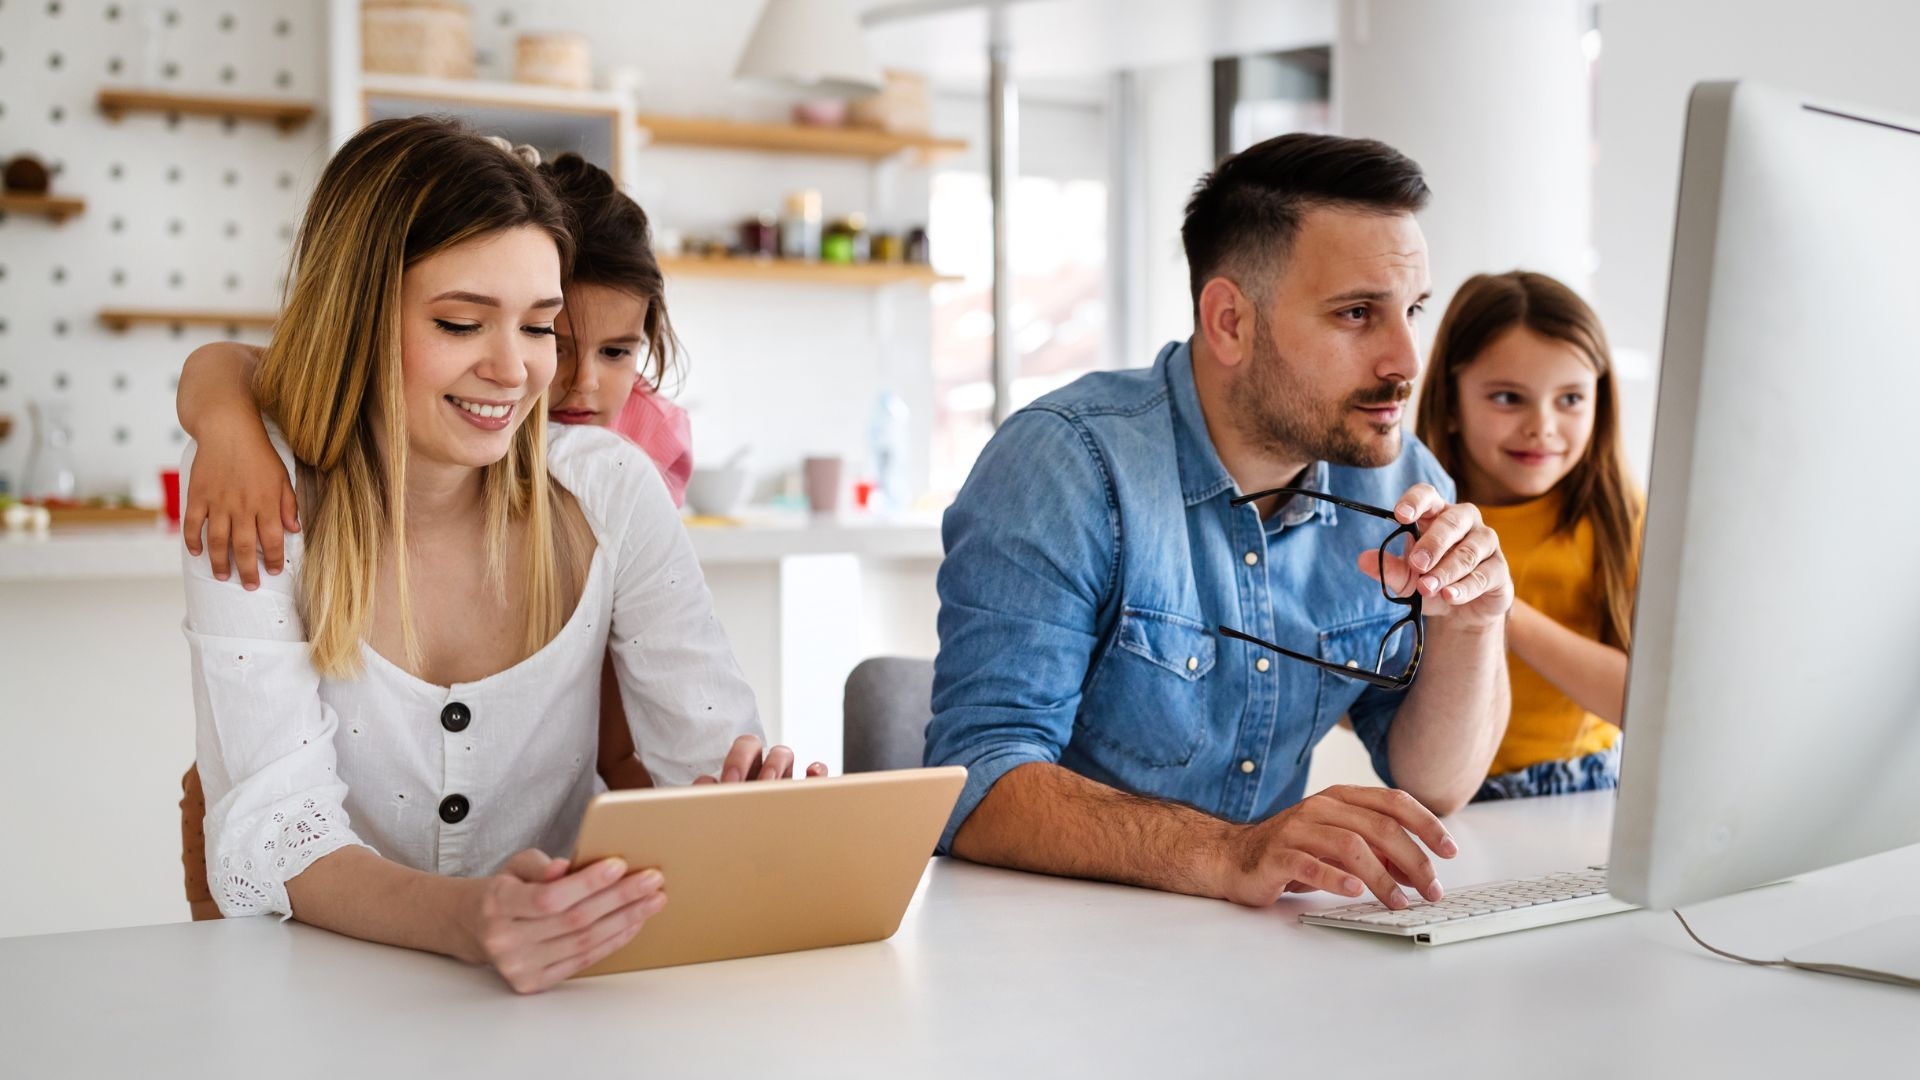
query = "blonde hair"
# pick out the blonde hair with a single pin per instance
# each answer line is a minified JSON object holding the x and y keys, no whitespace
{"x":397,"y":192}
{"x":1598,"y":487}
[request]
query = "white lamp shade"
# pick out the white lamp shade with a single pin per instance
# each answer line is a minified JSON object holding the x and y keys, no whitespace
{"x":811,"y":45}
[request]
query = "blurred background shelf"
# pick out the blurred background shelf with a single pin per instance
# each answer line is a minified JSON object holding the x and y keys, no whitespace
{"x":794,"y":138}
{"x":798,"y":272}
{"x":285,"y":114}
{"x":58,"y":208}
{"x":552,"y":120}
{"x":118,"y":319}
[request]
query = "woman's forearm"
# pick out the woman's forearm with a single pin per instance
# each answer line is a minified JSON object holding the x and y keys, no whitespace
{"x":216,"y":388}
{"x":355,"y":892}
{"x":1590,"y":672}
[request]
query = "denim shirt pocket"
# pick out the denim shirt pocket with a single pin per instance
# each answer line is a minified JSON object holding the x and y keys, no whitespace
{"x":1147,"y":699}
{"x":1355,"y":644}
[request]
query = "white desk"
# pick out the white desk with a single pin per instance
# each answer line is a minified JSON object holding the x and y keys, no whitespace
{"x":1000,"y":974}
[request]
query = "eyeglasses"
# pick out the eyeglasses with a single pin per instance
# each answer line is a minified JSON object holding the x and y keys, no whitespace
{"x":1378,"y":676}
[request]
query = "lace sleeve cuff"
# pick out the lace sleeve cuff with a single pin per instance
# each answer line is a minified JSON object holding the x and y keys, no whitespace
{"x":259,"y":853}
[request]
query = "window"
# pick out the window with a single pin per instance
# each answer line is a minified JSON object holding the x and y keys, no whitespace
{"x":1057,"y":239}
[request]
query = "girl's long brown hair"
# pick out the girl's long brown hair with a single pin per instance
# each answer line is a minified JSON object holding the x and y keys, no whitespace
{"x":1598,"y":488}
{"x":397,"y":192}
{"x":613,"y":247}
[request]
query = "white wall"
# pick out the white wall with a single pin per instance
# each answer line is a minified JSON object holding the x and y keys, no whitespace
{"x":1654,"y":51}
{"x":194,"y":213}
{"x":1176,"y":132}
{"x":1490,"y":97}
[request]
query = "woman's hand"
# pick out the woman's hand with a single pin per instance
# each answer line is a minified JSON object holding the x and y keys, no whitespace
{"x":537,"y":924}
{"x":743,"y":762}
{"x":240,"y":492}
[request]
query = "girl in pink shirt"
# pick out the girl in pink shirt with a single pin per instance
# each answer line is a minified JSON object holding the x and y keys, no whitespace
{"x":616,"y":310}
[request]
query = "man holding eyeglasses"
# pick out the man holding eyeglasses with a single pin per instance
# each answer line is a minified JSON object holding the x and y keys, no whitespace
{"x":1164,"y":586}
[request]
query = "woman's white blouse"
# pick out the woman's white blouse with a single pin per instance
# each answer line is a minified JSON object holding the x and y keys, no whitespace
{"x":455,"y":779}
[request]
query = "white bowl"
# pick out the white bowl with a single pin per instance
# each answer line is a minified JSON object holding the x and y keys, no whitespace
{"x":717,"y":491}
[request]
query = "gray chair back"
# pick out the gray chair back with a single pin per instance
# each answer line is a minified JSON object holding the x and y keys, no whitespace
{"x":889,"y":701}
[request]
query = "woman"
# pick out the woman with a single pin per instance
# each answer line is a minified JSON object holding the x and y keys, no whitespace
{"x":421,"y":680}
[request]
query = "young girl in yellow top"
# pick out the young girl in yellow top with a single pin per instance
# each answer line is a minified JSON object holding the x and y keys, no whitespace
{"x":1519,"y":405}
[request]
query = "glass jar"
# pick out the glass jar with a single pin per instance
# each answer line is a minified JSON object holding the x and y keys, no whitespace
{"x":760,"y":236}
{"x":800,"y":226}
{"x":50,"y":474}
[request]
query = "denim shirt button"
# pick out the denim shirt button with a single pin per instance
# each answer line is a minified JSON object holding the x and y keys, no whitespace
{"x":1253,"y":557}
{"x":1261,"y":664}
{"x":1193,"y":663}
{"x":1353,"y":663}
{"x":1247,"y":766}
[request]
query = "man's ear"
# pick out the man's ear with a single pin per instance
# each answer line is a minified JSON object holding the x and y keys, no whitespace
{"x":1225,"y":319}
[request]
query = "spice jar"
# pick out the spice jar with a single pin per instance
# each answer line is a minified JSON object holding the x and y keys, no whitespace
{"x":800,"y":226}
{"x":760,"y":235}
{"x":918,"y":250}
{"x":845,"y":240}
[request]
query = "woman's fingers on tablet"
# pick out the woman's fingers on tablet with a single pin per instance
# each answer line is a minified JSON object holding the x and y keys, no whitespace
{"x":554,"y":897}
{"x":606,"y":937}
{"x":817,"y":769}
{"x":591,"y":910}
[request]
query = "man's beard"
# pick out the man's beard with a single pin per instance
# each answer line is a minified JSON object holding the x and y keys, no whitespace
{"x":1276,"y":410}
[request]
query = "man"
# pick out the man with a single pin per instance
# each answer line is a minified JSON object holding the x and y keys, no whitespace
{"x":1108,"y":729}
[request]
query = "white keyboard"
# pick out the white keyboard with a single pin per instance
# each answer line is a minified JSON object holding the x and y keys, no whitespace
{"x":1498,"y":907}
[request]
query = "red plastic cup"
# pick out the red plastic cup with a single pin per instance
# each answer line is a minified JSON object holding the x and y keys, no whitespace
{"x":170,"y":488}
{"x":863,"y":493}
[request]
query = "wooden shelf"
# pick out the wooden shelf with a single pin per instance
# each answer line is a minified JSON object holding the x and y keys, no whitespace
{"x":797,"y":272}
{"x":794,"y":138}
{"x":56,"y":207}
{"x":283,"y":113}
{"x":489,"y":93}
{"x":587,"y":122}
{"x":119,"y":319}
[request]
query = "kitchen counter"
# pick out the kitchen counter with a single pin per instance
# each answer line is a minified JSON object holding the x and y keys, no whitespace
{"x":125,"y":552}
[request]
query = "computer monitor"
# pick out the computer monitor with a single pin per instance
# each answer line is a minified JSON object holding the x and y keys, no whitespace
{"x":1773,"y":703}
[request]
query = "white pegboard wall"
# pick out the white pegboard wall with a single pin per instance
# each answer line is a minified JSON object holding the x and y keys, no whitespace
{"x":182,"y":212}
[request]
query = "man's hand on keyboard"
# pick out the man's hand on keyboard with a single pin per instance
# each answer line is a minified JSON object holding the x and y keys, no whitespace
{"x":1344,"y":840}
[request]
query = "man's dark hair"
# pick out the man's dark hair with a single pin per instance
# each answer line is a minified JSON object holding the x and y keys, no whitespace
{"x":1244,"y":215}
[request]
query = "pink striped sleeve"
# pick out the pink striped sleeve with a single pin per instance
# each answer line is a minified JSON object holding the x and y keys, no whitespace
{"x":661,"y":429}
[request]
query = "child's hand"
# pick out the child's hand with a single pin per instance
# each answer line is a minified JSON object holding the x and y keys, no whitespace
{"x":240,"y":492}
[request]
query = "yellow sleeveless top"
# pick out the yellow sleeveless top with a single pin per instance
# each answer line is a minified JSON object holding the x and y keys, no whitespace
{"x":1554,"y":573}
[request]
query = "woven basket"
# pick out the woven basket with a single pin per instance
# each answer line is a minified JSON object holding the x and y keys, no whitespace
{"x":417,"y":37}
{"x":900,"y":108}
{"x":553,"y":59}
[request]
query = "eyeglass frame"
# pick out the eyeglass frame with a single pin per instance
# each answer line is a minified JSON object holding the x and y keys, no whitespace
{"x":1412,"y":601}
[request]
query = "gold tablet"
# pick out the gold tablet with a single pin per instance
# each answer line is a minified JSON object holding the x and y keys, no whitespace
{"x":770,"y":867}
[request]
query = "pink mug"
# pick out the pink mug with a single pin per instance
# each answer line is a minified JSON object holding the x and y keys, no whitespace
{"x":822,"y":476}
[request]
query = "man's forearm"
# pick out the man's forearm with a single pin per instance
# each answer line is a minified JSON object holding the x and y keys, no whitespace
{"x":1047,"y":819}
{"x":1445,"y":734}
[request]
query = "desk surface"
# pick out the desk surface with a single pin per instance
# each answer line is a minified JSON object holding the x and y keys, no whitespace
{"x":996,"y":973}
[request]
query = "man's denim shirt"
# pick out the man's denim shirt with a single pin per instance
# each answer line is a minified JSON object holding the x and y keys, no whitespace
{"x":1090,"y":556}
